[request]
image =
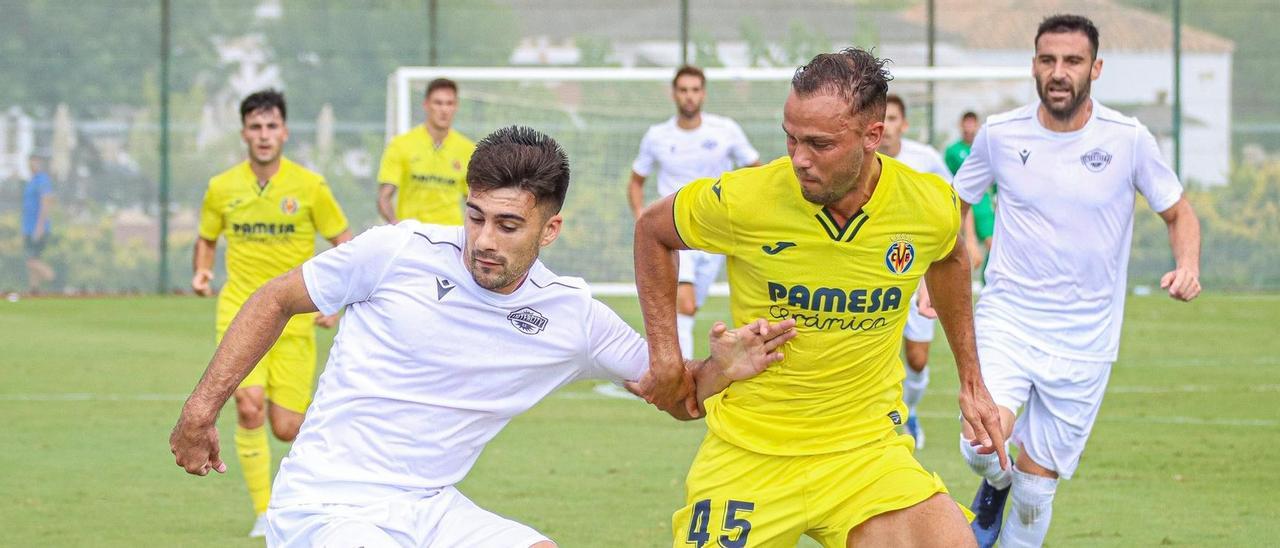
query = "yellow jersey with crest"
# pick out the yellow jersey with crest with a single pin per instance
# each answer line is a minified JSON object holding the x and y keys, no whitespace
{"x":269,"y":230}
{"x":430,"y":181}
{"x":847,"y":285}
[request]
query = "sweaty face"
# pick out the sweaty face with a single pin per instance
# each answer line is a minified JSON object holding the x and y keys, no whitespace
{"x":894,"y":125}
{"x":688,"y":93}
{"x":441,"y":105}
{"x":265,"y":132}
{"x":1065,"y":69}
{"x":505,"y":230}
{"x":827,"y":144}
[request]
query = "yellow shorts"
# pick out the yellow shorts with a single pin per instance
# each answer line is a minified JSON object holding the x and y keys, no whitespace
{"x":286,"y":372}
{"x":738,"y":498}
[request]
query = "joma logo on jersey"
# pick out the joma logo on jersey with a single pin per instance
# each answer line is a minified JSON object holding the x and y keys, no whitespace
{"x":832,"y":299}
{"x":900,"y":256}
{"x":288,"y":206}
{"x":1096,"y":160}
{"x":262,"y":229}
{"x":428,"y":179}
{"x":528,"y":321}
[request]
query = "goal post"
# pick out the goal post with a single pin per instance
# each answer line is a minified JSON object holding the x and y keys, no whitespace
{"x":600,"y":114}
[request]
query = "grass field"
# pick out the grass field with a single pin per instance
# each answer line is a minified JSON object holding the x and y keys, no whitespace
{"x":1186,"y":451}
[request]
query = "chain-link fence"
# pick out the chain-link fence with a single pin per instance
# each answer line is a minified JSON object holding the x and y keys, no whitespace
{"x":84,"y":85}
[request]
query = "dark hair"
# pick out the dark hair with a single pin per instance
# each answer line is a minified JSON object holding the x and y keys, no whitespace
{"x":266,"y":99}
{"x":440,"y":83}
{"x":523,"y":158}
{"x":689,"y":70}
{"x":893,"y":98}
{"x":853,"y":74}
{"x":969,"y":114}
{"x":1069,"y":23}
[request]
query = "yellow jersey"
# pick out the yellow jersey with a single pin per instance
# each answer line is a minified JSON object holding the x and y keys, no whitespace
{"x":846,"y":285}
{"x":430,"y":181}
{"x":269,"y":230}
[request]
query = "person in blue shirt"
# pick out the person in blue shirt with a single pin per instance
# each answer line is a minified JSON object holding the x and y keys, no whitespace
{"x":37,"y":202}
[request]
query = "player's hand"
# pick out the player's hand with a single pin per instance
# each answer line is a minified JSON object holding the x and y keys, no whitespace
{"x":1182,"y":283}
{"x":983,"y":417}
{"x":200,"y":282}
{"x":685,"y":409}
{"x":195,"y":448}
{"x":667,"y":386}
{"x":745,"y":352}
{"x":924,"y":304}
{"x":326,"y":322}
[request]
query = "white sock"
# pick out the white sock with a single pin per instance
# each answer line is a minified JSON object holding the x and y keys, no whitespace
{"x":913,"y":387}
{"x":1028,"y":520}
{"x":987,"y":466}
{"x":684,"y":330}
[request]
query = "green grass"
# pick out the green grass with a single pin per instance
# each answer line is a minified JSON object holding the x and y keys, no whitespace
{"x":1185,"y":451}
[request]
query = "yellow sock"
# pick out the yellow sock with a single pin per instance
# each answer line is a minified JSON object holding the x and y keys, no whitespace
{"x":255,"y":462}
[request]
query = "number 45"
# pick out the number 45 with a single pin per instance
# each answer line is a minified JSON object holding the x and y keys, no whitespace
{"x":699,"y":535}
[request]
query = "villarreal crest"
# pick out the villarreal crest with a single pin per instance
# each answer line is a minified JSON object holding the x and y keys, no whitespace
{"x":900,"y":256}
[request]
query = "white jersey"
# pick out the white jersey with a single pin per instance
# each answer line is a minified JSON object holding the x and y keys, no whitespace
{"x":682,"y":155}
{"x":923,"y":158}
{"x":1056,"y":276}
{"x":428,"y":366}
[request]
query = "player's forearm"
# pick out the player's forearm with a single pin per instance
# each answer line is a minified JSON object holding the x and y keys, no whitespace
{"x":655,"y":263}
{"x":635,"y":195}
{"x":386,"y":203}
{"x":1184,"y":237}
{"x":202,"y":254}
{"x":950,"y":295}
{"x":340,"y":239}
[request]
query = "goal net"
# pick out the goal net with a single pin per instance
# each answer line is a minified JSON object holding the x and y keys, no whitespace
{"x":600,"y":114}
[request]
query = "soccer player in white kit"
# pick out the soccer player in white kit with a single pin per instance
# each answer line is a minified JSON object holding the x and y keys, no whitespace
{"x":690,"y":145}
{"x":449,"y":332}
{"x":918,"y":332}
{"x":1048,"y":321}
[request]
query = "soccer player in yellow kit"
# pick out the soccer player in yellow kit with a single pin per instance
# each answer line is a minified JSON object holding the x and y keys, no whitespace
{"x":270,"y":210}
{"x":836,"y":237}
{"x":423,"y":174}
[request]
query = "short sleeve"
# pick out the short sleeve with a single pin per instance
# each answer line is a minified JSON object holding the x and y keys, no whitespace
{"x":743,"y":153}
{"x":211,"y":221}
{"x":391,"y":171}
{"x":952,"y":233}
{"x":976,"y":173}
{"x":326,"y":214}
{"x":1152,"y":177}
{"x":350,"y":272}
{"x":645,"y":162}
{"x":701,"y":212}
{"x":615,"y":351}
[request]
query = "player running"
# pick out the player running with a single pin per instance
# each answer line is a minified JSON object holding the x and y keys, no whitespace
{"x":1048,"y":321}
{"x":449,"y":333}
{"x":836,"y":237}
{"x":270,"y":210}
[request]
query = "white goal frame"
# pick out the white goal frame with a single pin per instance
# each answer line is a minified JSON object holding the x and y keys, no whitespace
{"x":402,"y":102}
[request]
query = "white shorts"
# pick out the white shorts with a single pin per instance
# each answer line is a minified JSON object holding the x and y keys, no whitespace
{"x":919,"y":328}
{"x":699,"y":268}
{"x":1062,"y":397}
{"x":445,"y":519}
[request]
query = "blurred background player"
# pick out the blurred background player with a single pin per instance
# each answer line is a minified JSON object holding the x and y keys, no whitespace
{"x":424,"y":376}
{"x":37,"y":206}
{"x":423,"y":175}
{"x":982,"y":222}
{"x":690,"y":145}
{"x":270,"y":210}
{"x":920,"y":315}
{"x":1048,"y":322}
{"x":836,"y":237}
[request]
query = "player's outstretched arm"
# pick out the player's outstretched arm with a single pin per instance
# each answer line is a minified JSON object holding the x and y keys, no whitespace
{"x":1183,"y":282}
{"x":202,"y":266}
{"x":387,"y":203}
{"x":194,"y":441}
{"x":950,"y":293}
{"x":667,"y":385}
{"x":635,"y":193}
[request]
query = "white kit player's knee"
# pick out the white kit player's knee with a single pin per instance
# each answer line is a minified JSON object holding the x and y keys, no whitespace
{"x":684,"y":331}
{"x":987,"y":466}
{"x":1028,"y":520}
